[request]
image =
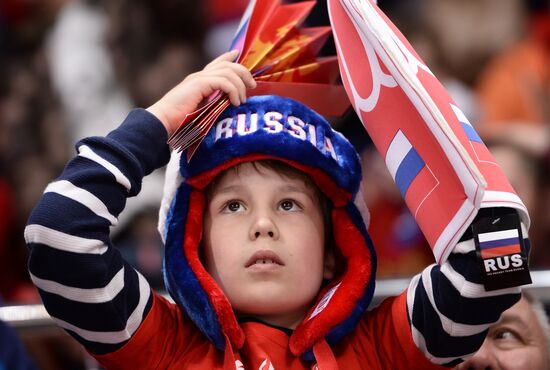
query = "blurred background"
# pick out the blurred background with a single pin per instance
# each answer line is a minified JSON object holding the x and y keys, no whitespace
{"x":74,"y":68}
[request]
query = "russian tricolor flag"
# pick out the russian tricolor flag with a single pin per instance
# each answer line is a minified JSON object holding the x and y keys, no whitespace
{"x":409,"y":171}
{"x":480,"y":150}
{"x":403,"y":162}
{"x":240,"y":35}
{"x":466,"y":125}
{"x":499,"y":243}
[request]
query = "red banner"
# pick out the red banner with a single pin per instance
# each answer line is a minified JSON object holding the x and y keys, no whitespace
{"x":442,"y":168}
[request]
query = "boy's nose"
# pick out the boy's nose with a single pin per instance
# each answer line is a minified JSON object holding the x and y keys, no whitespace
{"x":264,"y":227}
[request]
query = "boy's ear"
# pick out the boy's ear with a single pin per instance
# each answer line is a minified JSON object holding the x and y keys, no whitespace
{"x":329,"y":265}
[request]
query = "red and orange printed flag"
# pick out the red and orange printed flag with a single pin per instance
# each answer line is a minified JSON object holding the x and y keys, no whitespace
{"x":282,"y":57}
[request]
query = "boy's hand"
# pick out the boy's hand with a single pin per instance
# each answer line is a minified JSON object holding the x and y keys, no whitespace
{"x":220,"y":74}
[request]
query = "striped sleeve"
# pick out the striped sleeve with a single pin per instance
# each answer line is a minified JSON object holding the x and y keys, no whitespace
{"x":449,"y":309}
{"x":86,"y":286}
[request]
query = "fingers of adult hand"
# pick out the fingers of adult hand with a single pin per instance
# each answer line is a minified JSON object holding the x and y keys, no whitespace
{"x":230,"y":56}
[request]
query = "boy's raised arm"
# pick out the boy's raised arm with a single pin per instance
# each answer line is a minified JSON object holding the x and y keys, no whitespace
{"x":448,"y":179}
{"x":448,"y":306}
{"x":85,"y":284}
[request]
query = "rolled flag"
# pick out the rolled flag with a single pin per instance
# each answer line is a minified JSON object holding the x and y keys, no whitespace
{"x":283,"y":58}
{"x":439,"y":163}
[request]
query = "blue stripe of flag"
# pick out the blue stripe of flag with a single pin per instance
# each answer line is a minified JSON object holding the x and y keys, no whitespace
{"x":407,"y":171}
{"x":471,"y":132}
{"x":238,"y":40}
{"x":498,"y":243}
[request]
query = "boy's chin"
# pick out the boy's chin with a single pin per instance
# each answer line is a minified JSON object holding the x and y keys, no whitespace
{"x":278,"y":313}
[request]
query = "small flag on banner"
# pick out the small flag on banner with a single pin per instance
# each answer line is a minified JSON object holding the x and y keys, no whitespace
{"x":501,"y":249}
{"x":499,"y":243}
{"x":403,"y":162}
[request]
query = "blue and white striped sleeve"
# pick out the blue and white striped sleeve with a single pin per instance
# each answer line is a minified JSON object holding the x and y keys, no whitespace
{"x":449,"y":309}
{"x":85,"y":285}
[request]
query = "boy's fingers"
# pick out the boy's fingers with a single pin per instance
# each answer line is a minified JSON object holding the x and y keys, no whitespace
{"x":234,"y":79}
{"x":225,"y":85}
{"x":244,"y":74}
{"x":237,"y":72}
{"x":239,"y":85}
{"x":229,"y":75}
{"x":229,"y":56}
{"x":241,"y":71}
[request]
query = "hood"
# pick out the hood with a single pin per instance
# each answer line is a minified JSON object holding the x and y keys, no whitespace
{"x":277,"y":128}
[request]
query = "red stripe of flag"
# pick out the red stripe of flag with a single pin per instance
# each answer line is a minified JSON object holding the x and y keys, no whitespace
{"x":500,"y":251}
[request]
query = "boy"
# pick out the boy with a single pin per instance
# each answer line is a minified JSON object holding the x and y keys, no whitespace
{"x":264,"y":278}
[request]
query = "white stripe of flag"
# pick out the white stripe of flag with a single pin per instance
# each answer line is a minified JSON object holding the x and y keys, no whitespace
{"x":498,"y":235}
{"x":397,"y":151}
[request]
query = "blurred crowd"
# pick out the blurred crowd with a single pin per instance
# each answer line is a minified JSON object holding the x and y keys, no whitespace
{"x":74,"y":68}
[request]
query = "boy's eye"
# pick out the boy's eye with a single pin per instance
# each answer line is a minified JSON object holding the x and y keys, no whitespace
{"x":233,"y":206}
{"x":289,"y":205}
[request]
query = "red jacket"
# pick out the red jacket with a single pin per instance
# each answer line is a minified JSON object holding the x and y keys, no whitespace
{"x":168,"y":340}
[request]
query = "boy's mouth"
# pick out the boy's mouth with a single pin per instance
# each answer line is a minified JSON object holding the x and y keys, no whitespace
{"x":264,"y":257}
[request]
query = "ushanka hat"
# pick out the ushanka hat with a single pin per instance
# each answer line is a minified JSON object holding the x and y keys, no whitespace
{"x":275,"y":128}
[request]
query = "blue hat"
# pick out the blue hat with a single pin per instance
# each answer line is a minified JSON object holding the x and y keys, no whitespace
{"x":276,"y":128}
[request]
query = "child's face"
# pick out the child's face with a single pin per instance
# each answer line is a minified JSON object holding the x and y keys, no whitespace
{"x":263,"y":243}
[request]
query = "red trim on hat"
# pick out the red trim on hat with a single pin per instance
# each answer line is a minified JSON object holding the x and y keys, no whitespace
{"x":337,"y":195}
{"x":191,"y":242}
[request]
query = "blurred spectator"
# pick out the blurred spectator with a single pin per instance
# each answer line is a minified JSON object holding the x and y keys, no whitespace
{"x":517,"y":154}
{"x":14,"y":284}
{"x":72,"y":68}
{"x":515,"y":85}
{"x":514,"y":93}
{"x":153,"y":43}
{"x":542,"y":255}
{"x":470,"y":31}
{"x":81,"y":71}
{"x":107,"y":57}
{"x":32,"y":146}
{"x":520,"y":340}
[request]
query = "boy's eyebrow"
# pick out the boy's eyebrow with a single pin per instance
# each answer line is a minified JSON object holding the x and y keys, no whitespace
{"x":300,"y":189}
{"x":294,"y":188}
{"x":226,"y":189}
{"x":285,"y":188}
